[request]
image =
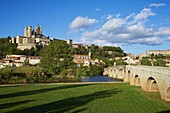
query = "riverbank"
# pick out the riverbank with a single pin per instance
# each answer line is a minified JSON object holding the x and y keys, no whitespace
{"x":69,"y":83}
{"x":85,"y":80}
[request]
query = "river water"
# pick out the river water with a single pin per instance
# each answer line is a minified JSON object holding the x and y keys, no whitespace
{"x":99,"y":79}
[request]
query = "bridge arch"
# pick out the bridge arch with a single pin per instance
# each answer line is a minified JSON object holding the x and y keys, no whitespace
{"x":151,"y":85}
{"x":168,"y":94}
{"x":136,"y":81}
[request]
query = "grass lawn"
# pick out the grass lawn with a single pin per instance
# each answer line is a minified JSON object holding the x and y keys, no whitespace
{"x":87,"y":98}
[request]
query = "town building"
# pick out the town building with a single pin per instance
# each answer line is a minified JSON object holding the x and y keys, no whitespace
{"x":69,"y":42}
{"x":156,"y":52}
{"x":82,"y":59}
{"x":34,"y":60}
{"x":31,"y":38}
{"x":19,"y":60}
{"x":80,"y":45}
{"x":13,"y":61}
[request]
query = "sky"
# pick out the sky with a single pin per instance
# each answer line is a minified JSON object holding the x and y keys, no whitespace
{"x":134,"y":25}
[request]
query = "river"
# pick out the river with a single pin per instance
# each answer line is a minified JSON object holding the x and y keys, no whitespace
{"x":99,"y":79}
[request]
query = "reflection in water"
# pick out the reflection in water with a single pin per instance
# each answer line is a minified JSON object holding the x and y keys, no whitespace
{"x":98,"y":79}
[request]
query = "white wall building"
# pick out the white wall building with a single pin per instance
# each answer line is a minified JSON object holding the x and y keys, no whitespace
{"x":34,"y":60}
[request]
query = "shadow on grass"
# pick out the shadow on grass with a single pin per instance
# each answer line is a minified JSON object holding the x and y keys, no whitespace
{"x":168,"y":111}
{"x":8,"y":105}
{"x":80,"y":110}
{"x":66,"y":105}
{"x":33,"y":92}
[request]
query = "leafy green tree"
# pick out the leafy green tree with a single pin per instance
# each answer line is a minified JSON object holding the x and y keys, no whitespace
{"x":145,"y":61}
{"x":83,"y":50}
{"x":6,"y":47}
{"x":26,"y":62}
{"x":120,"y":62}
{"x":110,"y":48}
{"x":56,"y":57}
{"x":152,"y":55}
{"x":159,"y":63}
{"x":102,"y":52}
{"x":79,"y":50}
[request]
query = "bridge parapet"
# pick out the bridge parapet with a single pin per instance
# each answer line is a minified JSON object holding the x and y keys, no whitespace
{"x":155,"y":69}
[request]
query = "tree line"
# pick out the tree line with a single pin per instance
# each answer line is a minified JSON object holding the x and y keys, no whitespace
{"x":56,"y":63}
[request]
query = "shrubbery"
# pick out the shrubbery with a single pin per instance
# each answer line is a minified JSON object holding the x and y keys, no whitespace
{"x":31,"y":74}
{"x":145,"y":61}
{"x":26,"y":74}
{"x":159,"y":63}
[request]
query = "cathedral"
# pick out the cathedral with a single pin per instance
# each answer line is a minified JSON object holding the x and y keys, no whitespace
{"x":31,"y":38}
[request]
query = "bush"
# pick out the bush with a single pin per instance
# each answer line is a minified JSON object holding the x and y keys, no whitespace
{"x":31,"y":74}
{"x":145,"y":61}
{"x":26,"y":74}
{"x":6,"y":73}
{"x":120,"y":62}
{"x":159,"y":63}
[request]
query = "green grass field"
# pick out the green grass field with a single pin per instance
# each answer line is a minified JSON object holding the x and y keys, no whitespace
{"x":87,"y":98}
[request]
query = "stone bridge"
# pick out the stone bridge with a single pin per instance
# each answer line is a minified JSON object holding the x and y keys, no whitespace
{"x":149,"y":78}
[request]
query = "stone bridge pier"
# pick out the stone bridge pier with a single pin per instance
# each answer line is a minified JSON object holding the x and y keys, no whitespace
{"x":149,"y":78}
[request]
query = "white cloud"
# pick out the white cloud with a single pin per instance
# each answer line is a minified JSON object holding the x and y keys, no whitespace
{"x":82,"y":23}
{"x":113,"y":24}
{"x":147,"y":41}
{"x":142,"y":16}
{"x":109,"y":17}
{"x":130,"y":16}
{"x":168,"y":38}
{"x":97,"y":9}
{"x":157,"y":5}
{"x":163,"y":31}
{"x":118,"y":31}
{"x":117,"y":15}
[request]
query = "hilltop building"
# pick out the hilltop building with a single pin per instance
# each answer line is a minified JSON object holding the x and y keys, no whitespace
{"x":69,"y":42}
{"x":80,"y":45}
{"x":156,"y":52}
{"x":31,"y":38}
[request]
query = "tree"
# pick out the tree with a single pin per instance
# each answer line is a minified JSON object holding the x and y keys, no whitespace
{"x":120,"y":62}
{"x":152,"y":55}
{"x":79,"y":50}
{"x":56,"y":57}
{"x":99,"y":52}
{"x":6,"y":47}
{"x":159,"y":63}
{"x":145,"y":61}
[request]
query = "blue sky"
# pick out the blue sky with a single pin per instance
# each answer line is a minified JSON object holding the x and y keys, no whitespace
{"x":134,"y":25}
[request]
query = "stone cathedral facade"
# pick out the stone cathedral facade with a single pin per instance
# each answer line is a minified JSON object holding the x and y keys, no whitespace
{"x":31,"y":38}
